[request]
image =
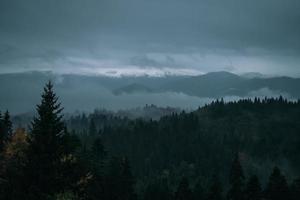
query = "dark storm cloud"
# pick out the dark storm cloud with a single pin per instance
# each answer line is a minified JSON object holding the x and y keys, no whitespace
{"x":208,"y":35}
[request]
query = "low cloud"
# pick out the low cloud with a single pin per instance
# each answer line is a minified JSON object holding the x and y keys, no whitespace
{"x":266,"y":92}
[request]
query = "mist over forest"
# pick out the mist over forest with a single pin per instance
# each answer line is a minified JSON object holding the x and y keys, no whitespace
{"x":149,"y":100}
{"x":129,"y":92}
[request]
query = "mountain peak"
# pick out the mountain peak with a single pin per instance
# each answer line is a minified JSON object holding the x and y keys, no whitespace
{"x":221,"y":74}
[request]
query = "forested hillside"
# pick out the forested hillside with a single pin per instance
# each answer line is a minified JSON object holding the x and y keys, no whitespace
{"x":244,"y":150}
{"x":263,"y":132}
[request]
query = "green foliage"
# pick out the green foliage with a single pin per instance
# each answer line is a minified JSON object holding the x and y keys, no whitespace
{"x":92,"y":161}
{"x":46,"y":150}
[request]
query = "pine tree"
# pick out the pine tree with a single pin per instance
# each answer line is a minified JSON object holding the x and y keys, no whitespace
{"x":253,"y":189}
{"x":277,"y":188}
{"x":183,"y":191}
{"x":46,"y":147}
{"x":236,"y":181}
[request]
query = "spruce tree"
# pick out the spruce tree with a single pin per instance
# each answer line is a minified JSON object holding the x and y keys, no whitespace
{"x":277,"y":188}
{"x":236,"y":181}
{"x":253,"y":189}
{"x":46,"y":147}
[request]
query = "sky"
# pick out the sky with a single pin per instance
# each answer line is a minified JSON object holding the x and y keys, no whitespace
{"x":150,"y":37}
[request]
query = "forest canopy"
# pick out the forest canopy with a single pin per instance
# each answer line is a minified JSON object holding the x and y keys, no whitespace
{"x":243,"y":150}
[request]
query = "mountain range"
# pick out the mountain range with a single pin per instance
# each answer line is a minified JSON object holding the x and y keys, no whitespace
{"x":20,"y":90}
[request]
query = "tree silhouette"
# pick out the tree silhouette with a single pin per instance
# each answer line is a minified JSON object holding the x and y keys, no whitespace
{"x":253,"y":189}
{"x":236,"y":181}
{"x":46,"y":147}
{"x":277,"y":188}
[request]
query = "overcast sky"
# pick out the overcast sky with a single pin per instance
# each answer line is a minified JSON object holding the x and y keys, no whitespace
{"x":150,"y":36}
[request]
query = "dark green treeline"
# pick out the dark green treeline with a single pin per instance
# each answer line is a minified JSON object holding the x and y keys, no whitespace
{"x":181,"y":157}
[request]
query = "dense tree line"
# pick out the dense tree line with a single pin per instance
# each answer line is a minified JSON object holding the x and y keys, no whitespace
{"x":208,"y":154}
{"x":265,"y":132}
{"x":48,"y":162}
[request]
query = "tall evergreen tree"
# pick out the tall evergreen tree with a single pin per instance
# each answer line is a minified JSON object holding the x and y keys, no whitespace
{"x":236,"y":181}
{"x":277,"y":188}
{"x":183,"y":191}
{"x":253,"y":189}
{"x":46,"y":147}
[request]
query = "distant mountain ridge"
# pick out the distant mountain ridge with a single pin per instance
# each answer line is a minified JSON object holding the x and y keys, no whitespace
{"x":132,"y":88}
{"x":22,"y":90}
{"x":220,"y":84}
